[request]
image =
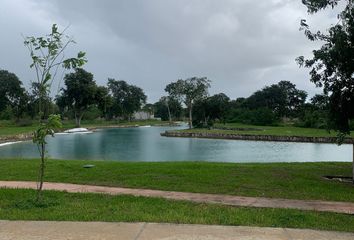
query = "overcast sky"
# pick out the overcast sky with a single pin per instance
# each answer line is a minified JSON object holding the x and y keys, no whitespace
{"x":240,"y":45}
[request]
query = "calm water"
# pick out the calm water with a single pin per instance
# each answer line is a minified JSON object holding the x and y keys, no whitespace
{"x":146,"y":144}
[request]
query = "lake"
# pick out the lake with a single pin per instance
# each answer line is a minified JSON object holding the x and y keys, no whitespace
{"x":146,"y":144}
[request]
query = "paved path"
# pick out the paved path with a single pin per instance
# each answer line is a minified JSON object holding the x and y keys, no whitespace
{"x":30,"y":230}
{"x":324,"y":206}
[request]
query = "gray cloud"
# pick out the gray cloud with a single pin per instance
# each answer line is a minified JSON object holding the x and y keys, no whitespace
{"x":239,"y":44}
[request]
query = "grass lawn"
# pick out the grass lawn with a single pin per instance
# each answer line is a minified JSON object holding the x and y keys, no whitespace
{"x":281,"y":180}
{"x":268,"y":130}
{"x":18,"y":204}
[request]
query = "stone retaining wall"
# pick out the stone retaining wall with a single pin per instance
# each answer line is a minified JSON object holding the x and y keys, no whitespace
{"x":255,"y":137}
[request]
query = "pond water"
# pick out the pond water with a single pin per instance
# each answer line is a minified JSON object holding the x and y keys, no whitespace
{"x":146,"y":144}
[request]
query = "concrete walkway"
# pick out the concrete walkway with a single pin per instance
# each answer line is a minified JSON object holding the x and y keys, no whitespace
{"x":324,"y":206}
{"x":30,"y":230}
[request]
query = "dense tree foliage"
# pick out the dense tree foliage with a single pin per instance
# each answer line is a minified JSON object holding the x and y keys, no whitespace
{"x":127,"y":98}
{"x":315,"y":113}
{"x":332,"y":66}
{"x":119,"y":100}
{"x":188,"y":91}
{"x":168,"y":109}
{"x":208,"y":110}
{"x":79,"y":93}
{"x":104,"y":102}
{"x":269,"y":105}
{"x":13,"y":97}
{"x":283,"y":99}
{"x":37,"y":101}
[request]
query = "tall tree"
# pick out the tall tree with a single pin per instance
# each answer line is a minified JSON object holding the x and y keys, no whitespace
{"x":127,"y":99}
{"x":104,"y":101}
{"x":12,"y":93}
{"x":188,"y":91}
{"x":208,"y":110}
{"x":168,"y":109}
{"x":48,"y":56}
{"x":295,"y":98}
{"x":40,"y":104}
{"x":79,"y":93}
{"x":270,"y":97}
{"x":218,"y":107}
{"x":283,"y":98}
{"x":332,"y":66}
{"x":166,"y":101}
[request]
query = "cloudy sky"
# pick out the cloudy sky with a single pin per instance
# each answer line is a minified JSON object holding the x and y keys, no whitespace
{"x":241,"y":45}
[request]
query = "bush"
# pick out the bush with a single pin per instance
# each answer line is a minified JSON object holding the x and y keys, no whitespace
{"x":313,"y":119}
{"x":7,"y":114}
{"x":351,"y":125}
{"x":24,"y":122}
{"x":261,"y":116}
{"x":92,"y":113}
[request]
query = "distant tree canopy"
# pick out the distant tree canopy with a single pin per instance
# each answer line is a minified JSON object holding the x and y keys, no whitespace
{"x":189,"y":91}
{"x":211,"y":109}
{"x":168,"y":109}
{"x":332,"y":66}
{"x":82,"y":98}
{"x":37,"y":100}
{"x":13,"y":96}
{"x":127,"y":99}
{"x":104,"y":102}
{"x":283,"y":99}
{"x":79,"y":93}
{"x":315,"y":114}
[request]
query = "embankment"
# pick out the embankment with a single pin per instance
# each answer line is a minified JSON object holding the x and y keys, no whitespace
{"x":252,"y":137}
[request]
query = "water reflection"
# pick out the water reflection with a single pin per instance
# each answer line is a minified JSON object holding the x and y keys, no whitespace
{"x":146,"y":144}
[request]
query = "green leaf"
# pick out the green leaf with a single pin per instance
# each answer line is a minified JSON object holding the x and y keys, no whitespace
{"x":48,"y":76}
{"x":81,"y":54}
{"x":54,"y":29}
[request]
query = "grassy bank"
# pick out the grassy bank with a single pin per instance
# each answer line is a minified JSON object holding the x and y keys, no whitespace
{"x":281,"y":180}
{"x":61,"y":206}
{"x":268,"y":130}
{"x":9,"y":128}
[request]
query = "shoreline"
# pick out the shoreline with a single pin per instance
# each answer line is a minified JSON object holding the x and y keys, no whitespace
{"x":28,"y":136}
{"x":250,"y":137}
{"x":16,"y":138}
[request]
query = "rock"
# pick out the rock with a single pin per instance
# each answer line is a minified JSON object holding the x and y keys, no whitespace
{"x":88,"y":166}
{"x":76,"y":130}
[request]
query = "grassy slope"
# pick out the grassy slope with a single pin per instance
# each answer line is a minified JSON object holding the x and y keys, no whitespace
{"x":268,"y":130}
{"x":17,"y":205}
{"x":9,"y":129}
{"x":282,"y":180}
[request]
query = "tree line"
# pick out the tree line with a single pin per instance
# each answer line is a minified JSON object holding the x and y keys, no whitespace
{"x":185,"y":99}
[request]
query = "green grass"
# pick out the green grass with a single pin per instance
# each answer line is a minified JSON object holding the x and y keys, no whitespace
{"x":269,"y":130}
{"x":18,"y":204}
{"x":280,"y":180}
{"x":15,"y":130}
{"x":8,"y":128}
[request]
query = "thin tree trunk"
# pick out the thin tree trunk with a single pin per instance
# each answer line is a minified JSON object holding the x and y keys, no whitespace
{"x":41,"y":173}
{"x":78,"y":117}
{"x":42,"y":152}
{"x":353,"y":165}
{"x":169,"y":114}
{"x":190,"y":116}
{"x":76,"y":120}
